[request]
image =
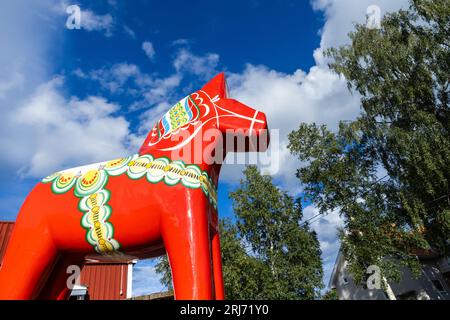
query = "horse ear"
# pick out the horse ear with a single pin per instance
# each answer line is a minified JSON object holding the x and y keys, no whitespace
{"x":217,"y":87}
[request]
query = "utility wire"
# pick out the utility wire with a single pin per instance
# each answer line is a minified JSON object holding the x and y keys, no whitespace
{"x":326,"y":214}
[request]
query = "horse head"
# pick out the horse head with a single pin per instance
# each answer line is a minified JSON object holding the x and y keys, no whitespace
{"x":205,"y":113}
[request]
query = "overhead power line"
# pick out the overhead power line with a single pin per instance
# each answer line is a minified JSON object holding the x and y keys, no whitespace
{"x":324,"y":214}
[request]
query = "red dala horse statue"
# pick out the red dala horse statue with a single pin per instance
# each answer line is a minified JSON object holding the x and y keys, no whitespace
{"x":143,"y":205}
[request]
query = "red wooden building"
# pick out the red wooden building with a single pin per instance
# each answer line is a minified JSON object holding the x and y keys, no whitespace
{"x":100,"y":279}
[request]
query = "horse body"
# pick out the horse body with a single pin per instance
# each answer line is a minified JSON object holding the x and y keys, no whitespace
{"x":139,"y":205}
{"x":136,"y":224}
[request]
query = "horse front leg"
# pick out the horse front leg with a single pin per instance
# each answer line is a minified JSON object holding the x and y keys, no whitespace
{"x":186,"y":238}
{"x":217,"y":268}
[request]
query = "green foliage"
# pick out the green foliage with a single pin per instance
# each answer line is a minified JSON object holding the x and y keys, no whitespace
{"x":330,"y":295}
{"x":242,"y":273}
{"x":163,"y":268}
{"x":388,"y":171}
{"x":266,"y":254}
{"x":269,"y":222}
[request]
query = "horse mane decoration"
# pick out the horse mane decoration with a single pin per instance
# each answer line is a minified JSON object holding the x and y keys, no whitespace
{"x":162,"y":199}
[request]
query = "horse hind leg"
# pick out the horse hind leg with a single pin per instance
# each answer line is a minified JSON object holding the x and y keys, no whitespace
{"x":29,"y":258}
{"x":57,"y":286}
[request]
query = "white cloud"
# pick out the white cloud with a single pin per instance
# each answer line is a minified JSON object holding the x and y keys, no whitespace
{"x":287,"y":99}
{"x":127,"y":79}
{"x":114,"y":78}
{"x":113,"y":3}
{"x":41,"y":128}
{"x":129,"y":31}
{"x":326,"y":227}
{"x":26,"y":35}
{"x":181,"y":42}
{"x":15,"y":81}
{"x":145,"y":278}
{"x":91,"y":21}
{"x":57,"y":132}
{"x":162,"y":89}
{"x":325,"y":224}
{"x":28,"y":30}
{"x":149,"y":50}
{"x":151,"y":91}
{"x":202,"y":66}
{"x":341,"y":15}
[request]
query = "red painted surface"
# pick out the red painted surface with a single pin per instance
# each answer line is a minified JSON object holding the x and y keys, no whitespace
{"x":143,"y":214}
{"x":6,"y":228}
{"x":104,"y":280}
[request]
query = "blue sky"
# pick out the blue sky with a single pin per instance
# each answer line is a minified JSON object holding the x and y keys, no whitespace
{"x":73,"y":97}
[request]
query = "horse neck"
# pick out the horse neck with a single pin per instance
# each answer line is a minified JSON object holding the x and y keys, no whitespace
{"x":214,"y":115}
{"x":190,"y":149}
